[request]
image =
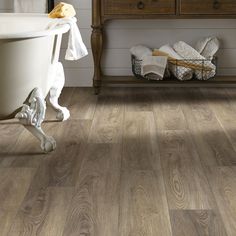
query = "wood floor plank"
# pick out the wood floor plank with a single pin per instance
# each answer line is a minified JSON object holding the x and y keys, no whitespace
{"x":34,"y":208}
{"x":129,"y":162}
{"x":55,"y":220}
{"x":108,"y":118}
{"x":6,"y":219}
{"x":65,"y":162}
{"x":50,"y":221}
{"x":10,"y":131}
{"x":220,"y":103}
{"x":94,"y":208}
{"x":83,"y":104}
{"x":212,"y":143}
{"x":223,"y":183}
{"x":26,"y":152}
{"x":185,"y":181}
{"x":138,"y":101}
{"x":143,"y":206}
{"x":14,"y":183}
{"x":167,"y":109}
{"x":196,"y":223}
{"x":140,"y":147}
{"x":230,"y":127}
{"x":223,"y":105}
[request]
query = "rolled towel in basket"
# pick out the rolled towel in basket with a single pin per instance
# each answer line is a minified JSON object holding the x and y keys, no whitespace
{"x":180,"y":72}
{"x":154,"y":67}
{"x":208,"y":47}
{"x":188,"y":52}
{"x":140,"y":51}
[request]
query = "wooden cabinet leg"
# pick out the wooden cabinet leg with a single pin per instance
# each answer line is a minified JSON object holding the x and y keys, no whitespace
{"x":97,"y":46}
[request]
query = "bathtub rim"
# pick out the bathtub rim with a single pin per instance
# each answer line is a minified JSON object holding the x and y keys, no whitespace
{"x":35,"y":34}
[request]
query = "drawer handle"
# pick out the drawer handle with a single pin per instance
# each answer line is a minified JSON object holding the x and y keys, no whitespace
{"x":140,"y":5}
{"x":216,"y":4}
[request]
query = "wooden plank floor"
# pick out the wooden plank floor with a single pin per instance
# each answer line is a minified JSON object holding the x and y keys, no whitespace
{"x":129,"y":162}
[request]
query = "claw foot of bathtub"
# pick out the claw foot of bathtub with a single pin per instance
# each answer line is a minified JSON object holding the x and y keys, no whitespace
{"x":32,"y":116}
{"x":62,"y":112}
{"x":48,"y":144}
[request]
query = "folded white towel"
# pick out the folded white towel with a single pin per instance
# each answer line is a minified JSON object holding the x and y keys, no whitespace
{"x":140,"y":51}
{"x":76,"y":48}
{"x":188,"y":52}
{"x":30,"y":6}
{"x":180,"y":72}
{"x":208,"y":47}
{"x":154,"y":66}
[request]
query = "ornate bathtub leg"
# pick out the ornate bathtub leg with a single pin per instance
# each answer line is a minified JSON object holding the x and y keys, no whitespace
{"x":32,"y":116}
{"x":55,"y":92}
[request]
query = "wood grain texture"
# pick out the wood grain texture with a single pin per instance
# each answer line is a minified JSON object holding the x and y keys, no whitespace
{"x":196,"y":223}
{"x":212,"y":143}
{"x":26,"y":153}
{"x":167,"y":110}
{"x":185,"y":181}
{"x":134,"y":7}
{"x":207,"y":7}
{"x":34,"y":208}
{"x":83,"y":104}
{"x":167,"y":167}
{"x":6,"y":219}
{"x":140,"y":147}
{"x":50,"y":221}
{"x":94,"y":208}
{"x":143,"y":205}
{"x":137,"y":101}
{"x":55,"y":220}
{"x":223,"y":183}
{"x":65,"y":163}
{"x":8,"y":129}
{"x":108,"y":118}
{"x":230,"y":126}
{"x":222,"y":103}
{"x":14,"y":184}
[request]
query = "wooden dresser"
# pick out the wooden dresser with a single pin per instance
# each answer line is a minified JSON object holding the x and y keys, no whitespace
{"x":104,"y":10}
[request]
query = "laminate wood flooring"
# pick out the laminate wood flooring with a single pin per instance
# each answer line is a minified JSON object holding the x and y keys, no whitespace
{"x":129,"y":162}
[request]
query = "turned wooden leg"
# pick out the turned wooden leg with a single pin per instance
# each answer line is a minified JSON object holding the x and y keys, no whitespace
{"x":32,"y":116}
{"x":55,"y":92}
{"x":97,"y":46}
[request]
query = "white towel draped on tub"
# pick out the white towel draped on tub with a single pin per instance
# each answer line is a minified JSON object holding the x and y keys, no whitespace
{"x":76,"y":48}
{"x":30,"y":6}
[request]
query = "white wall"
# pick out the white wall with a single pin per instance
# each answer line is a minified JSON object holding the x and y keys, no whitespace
{"x":121,"y":35}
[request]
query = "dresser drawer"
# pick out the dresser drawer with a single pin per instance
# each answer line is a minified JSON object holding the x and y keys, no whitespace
{"x":138,"y":7}
{"x":210,"y":7}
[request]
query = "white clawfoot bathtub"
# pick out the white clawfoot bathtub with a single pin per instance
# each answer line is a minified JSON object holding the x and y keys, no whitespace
{"x":29,"y":71}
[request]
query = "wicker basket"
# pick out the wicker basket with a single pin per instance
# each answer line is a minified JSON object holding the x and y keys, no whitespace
{"x":177,"y":69}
